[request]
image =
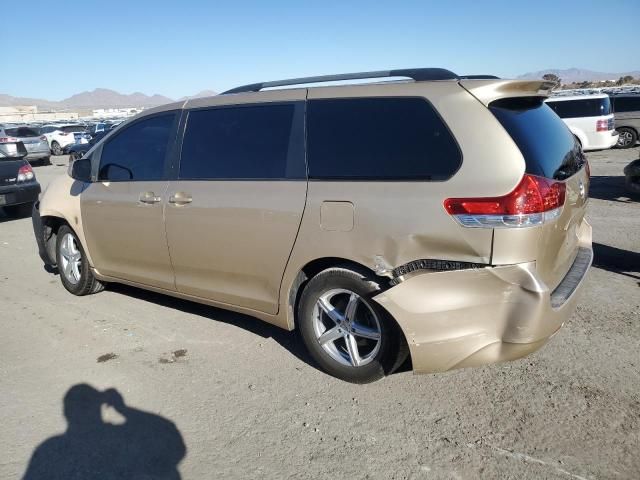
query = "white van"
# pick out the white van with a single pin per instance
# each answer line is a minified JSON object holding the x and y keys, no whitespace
{"x":589,"y":117}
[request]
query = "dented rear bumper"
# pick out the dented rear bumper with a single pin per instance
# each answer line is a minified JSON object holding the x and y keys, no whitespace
{"x":475,"y":317}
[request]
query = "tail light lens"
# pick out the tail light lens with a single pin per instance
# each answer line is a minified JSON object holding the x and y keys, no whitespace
{"x":534,"y":201}
{"x":25,"y":173}
{"x":602,"y":125}
{"x":8,"y":140}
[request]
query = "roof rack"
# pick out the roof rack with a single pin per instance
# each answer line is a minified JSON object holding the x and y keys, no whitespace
{"x":417,"y":74}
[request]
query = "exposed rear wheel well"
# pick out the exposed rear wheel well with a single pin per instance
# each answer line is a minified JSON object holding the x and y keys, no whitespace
{"x":316,"y":266}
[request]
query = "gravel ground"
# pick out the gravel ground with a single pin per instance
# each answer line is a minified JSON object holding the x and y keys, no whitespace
{"x":246,"y":402}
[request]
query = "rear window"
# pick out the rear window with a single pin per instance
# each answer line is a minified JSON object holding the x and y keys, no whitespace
{"x":22,"y":132}
{"x":379,"y":139}
{"x":626,"y":104}
{"x":73,"y":128}
{"x":589,"y":107}
{"x":549,"y":148}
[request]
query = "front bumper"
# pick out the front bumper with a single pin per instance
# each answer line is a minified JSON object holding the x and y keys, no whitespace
{"x":468,"y":318}
{"x":17,"y":194}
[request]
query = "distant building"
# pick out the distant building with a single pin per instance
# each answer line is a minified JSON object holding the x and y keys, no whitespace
{"x":29,"y":113}
{"x":115,"y":112}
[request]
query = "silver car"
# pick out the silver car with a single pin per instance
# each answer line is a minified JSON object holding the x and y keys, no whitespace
{"x":36,"y":144}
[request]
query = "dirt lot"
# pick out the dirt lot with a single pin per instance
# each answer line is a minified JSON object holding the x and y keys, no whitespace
{"x":246,"y":401}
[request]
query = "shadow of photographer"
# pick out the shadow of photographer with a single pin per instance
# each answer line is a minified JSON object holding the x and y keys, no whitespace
{"x":144,"y":446}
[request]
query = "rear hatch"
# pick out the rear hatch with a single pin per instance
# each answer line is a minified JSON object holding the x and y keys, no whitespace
{"x":550,"y":151}
{"x":30,"y":137}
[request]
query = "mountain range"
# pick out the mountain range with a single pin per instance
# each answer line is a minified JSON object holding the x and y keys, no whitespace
{"x":105,"y":98}
{"x":98,"y":98}
{"x":571,"y":75}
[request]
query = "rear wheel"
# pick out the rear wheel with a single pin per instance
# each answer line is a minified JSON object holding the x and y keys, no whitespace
{"x":348,"y":334}
{"x":73,"y":265}
{"x":56,"y":149}
{"x":627,"y":137}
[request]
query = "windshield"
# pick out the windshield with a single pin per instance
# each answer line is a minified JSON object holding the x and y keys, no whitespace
{"x":548,"y":147}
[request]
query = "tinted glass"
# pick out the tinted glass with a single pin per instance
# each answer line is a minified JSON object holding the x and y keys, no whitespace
{"x":548,"y":147}
{"x":138,"y":152}
{"x":589,"y":107}
{"x":22,"y":132}
{"x":379,"y":139}
{"x":244,"y":142}
{"x":73,"y":128}
{"x":626,"y":104}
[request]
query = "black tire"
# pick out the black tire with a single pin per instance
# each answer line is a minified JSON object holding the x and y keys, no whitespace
{"x":87,"y":283}
{"x":19,"y":211}
{"x":628,"y":137}
{"x":393,"y":349}
{"x":56,"y":149}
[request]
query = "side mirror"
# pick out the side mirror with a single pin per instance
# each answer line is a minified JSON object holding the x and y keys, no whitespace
{"x":81,"y":170}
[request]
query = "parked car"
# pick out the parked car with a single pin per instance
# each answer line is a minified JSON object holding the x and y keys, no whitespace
{"x":19,"y":188}
{"x":627,"y":111}
{"x":59,"y":136}
{"x":35,"y":143}
{"x":77,"y":150}
{"x":369,"y":217}
{"x":590,"y":119}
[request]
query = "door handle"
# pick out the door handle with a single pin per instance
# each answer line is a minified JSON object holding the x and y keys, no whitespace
{"x":149,"y":198}
{"x":180,"y":198}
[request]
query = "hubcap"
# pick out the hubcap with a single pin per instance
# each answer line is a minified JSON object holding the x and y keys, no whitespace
{"x":624,"y":138}
{"x":346,"y":327}
{"x":70,"y":258}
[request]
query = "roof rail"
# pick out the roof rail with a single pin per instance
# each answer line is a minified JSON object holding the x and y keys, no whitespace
{"x":478,"y":77}
{"x":417,"y":74}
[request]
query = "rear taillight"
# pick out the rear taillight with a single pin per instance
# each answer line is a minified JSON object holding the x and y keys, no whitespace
{"x":25,"y":173}
{"x":43,"y":138}
{"x":534,"y":201}
{"x":602,"y":125}
{"x":8,"y":140}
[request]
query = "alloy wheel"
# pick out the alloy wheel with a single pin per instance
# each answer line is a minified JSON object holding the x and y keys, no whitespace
{"x":346,"y":327}
{"x":624,"y":138}
{"x":70,"y":259}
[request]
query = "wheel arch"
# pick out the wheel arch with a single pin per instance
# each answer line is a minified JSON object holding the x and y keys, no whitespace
{"x":311,"y":269}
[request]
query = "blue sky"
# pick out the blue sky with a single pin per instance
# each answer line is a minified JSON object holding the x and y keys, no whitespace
{"x":181,"y":47}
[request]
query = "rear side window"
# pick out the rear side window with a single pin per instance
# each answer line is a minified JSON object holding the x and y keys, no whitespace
{"x":379,"y":139}
{"x":589,"y":107}
{"x":138,"y":152}
{"x":626,"y":104}
{"x":22,"y":132}
{"x":548,"y":147}
{"x":244,"y":142}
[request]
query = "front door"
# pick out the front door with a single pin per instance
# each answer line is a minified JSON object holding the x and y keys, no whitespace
{"x":233,"y":213}
{"x":122,"y":211}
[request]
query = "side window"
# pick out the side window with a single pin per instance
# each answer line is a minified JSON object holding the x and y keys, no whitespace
{"x":138,"y":152}
{"x":379,"y":139}
{"x":244,"y":142}
{"x":627,"y":104}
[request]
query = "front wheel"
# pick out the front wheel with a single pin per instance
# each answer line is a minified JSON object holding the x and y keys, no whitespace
{"x":348,"y":334}
{"x":73,"y":265}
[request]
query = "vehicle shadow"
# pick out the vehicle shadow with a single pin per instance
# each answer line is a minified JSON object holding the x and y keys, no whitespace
{"x":290,"y":341}
{"x":616,"y":260}
{"x":4,"y":217}
{"x":610,"y":188}
{"x":146,"y":445}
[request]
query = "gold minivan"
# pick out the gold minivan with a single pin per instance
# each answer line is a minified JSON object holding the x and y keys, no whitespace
{"x":428,"y":214}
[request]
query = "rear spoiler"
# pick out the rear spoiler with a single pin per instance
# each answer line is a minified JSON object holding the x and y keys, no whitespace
{"x":487,"y":91}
